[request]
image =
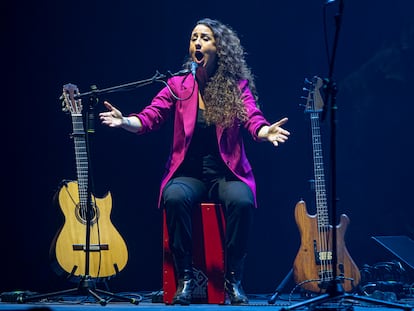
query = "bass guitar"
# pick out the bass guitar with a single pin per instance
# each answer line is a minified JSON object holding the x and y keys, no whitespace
{"x":312,"y":268}
{"x":105,"y":247}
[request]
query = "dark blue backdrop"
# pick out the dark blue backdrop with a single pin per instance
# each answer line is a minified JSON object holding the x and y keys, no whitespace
{"x":46,"y":44}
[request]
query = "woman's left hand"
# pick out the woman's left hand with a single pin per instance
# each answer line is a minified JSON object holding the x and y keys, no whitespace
{"x":276,"y":134}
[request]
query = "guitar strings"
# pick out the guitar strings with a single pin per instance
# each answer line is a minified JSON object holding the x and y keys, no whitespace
{"x":323,"y":253}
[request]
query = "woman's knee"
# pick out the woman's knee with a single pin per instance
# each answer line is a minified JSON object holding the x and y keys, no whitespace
{"x":180,"y":193}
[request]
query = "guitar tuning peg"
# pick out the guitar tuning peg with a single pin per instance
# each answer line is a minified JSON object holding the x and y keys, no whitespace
{"x":305,"y":89}
{"x":303,"y":97}
{"x":307,"y":81}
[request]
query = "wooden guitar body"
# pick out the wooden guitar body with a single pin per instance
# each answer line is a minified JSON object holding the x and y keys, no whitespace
{"x":312,"y":266}
{"x":108,"y":251}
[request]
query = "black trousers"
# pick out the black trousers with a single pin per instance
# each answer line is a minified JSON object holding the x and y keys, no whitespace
{"x":182,"y":194}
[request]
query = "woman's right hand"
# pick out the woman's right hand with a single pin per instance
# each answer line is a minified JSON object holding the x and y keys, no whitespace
{"x":113,"y":117}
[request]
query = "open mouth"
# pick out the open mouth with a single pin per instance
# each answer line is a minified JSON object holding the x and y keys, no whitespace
{"x":199,"y":56}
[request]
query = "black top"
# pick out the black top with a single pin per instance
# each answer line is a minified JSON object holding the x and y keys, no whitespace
{"x":203,"y":159}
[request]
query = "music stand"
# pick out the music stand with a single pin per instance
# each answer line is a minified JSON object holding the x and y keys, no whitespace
{"x":334,"y":290}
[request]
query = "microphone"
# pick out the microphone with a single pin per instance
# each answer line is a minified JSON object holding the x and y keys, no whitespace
{"x":91,"y":121}
{"x":194,"y":66}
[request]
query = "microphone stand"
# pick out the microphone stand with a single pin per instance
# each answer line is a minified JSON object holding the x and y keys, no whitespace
{"x":86,"y":285}
{"x":335,"y":290}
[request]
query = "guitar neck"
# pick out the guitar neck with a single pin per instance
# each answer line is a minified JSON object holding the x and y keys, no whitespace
{"x":318,"y":167}
{"x":81,"y":155}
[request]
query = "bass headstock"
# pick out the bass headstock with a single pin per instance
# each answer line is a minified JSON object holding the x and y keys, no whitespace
{"x":314,"y":101}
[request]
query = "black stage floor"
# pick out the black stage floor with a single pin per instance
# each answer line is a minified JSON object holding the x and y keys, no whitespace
{"x":150,"y":302}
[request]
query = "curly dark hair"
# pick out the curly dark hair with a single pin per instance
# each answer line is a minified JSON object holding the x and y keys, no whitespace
{"x":222,"y":96}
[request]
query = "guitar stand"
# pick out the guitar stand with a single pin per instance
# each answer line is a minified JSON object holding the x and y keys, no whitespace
{"x":87,"y":284}
{"x":86,"y":287}
{"x":281,"y":286}
{"x":336,"y":292}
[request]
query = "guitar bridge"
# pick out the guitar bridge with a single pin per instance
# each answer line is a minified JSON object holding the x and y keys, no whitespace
{"x":92,"y":247}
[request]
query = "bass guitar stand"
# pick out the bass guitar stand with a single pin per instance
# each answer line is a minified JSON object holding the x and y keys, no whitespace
{"x":335,"y":290}
{"x":281,"y":286}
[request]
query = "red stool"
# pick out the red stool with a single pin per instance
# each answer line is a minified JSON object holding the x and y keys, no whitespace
{"x":208,"y":257}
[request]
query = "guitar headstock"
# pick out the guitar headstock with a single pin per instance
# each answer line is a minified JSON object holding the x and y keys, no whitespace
{"x":70,"y":103}
{"x":314,"y":101}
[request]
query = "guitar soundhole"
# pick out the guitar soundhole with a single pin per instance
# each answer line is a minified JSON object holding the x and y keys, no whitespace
{"x":82,"y":217}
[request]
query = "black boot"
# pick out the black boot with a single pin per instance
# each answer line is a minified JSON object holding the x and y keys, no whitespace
{"x":185,"y":277}
{"x":235,"y":292}
{"x":233,"y":279}
{"x":185,"y":287}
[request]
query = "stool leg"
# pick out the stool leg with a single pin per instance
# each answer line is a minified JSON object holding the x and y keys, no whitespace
{"x":169,"y":282}
{"x":213,"y":226}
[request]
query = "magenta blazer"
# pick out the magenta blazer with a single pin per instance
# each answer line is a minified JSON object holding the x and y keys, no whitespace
{"x":230,"y":140}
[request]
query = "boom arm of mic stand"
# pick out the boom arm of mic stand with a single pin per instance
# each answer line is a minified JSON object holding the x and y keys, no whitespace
{"x":123,"y":87}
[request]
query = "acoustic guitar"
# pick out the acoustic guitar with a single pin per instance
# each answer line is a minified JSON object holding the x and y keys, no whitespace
{"x":312,"y":268}
{"x":105,"y":247}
